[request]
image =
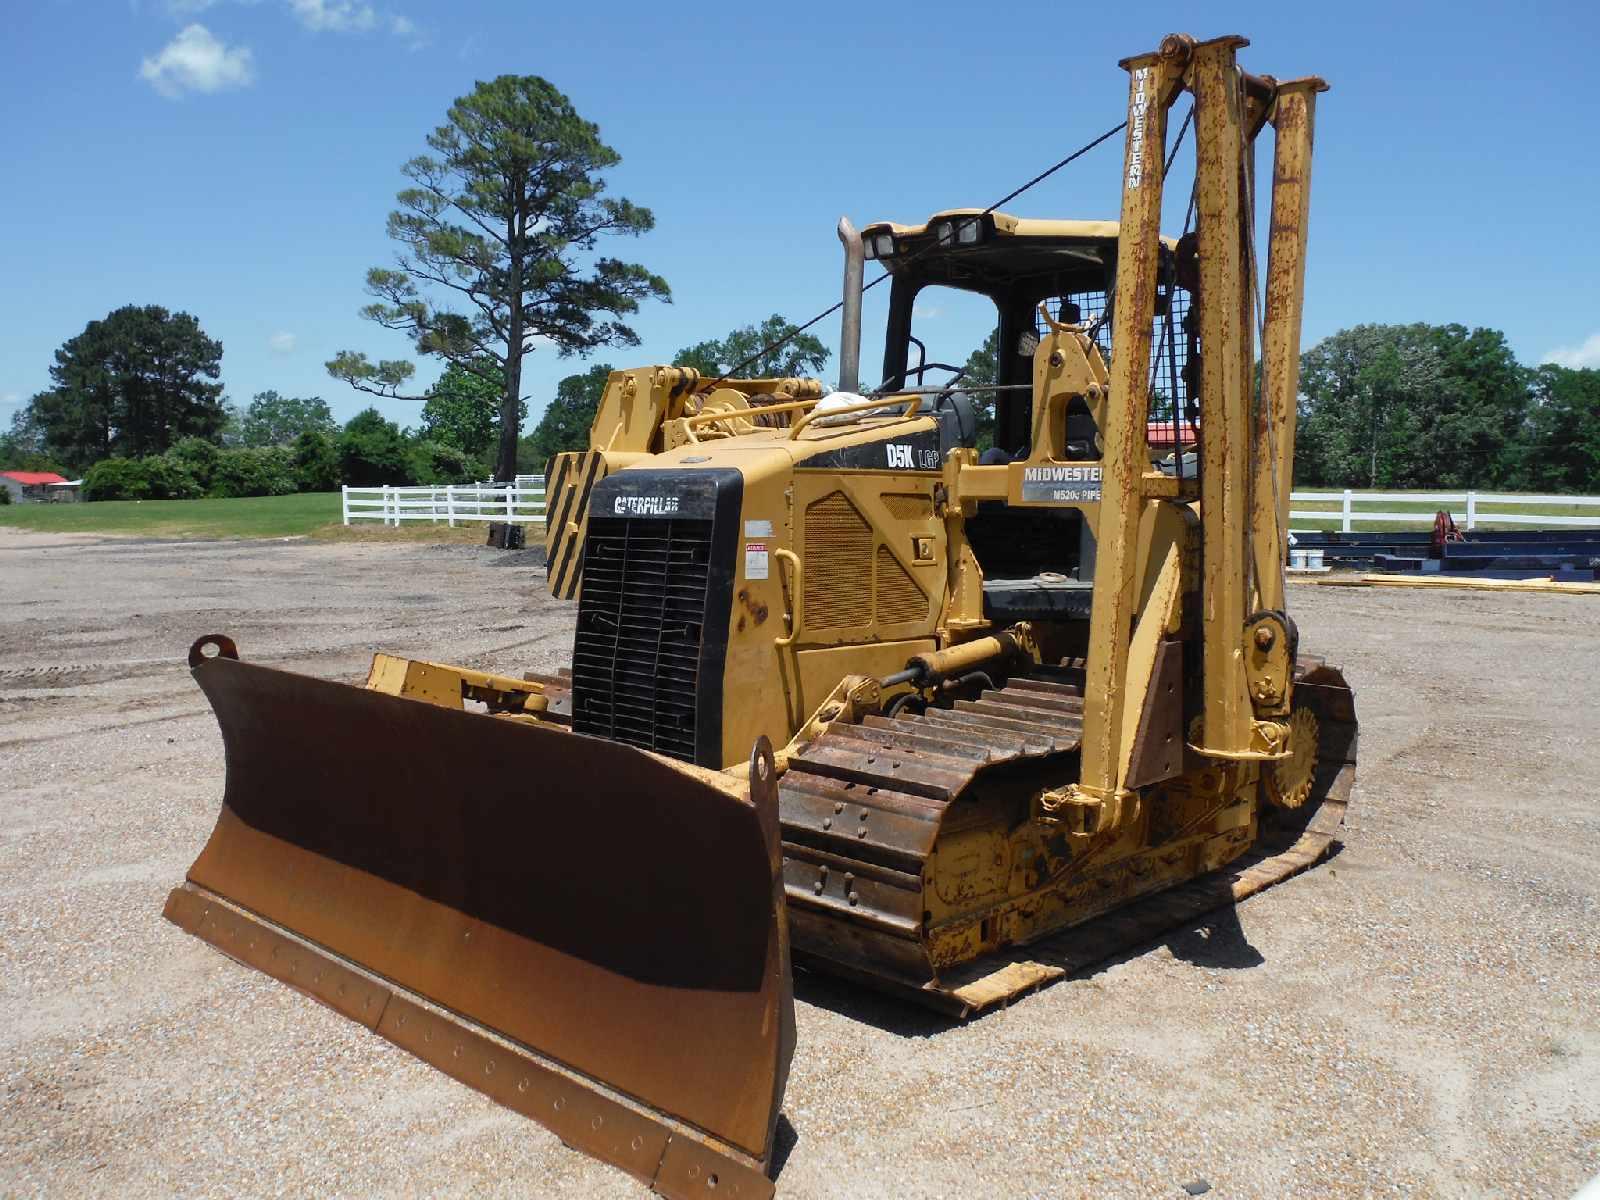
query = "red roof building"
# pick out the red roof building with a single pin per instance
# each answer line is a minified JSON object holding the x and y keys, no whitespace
{"x":39,"y":486}
{"x":1160,"y":434}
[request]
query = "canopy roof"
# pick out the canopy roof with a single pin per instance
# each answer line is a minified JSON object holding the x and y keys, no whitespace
{"x":1008,"y":226}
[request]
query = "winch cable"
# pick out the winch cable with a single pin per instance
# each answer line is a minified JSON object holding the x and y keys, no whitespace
{"x":1006,"y":199}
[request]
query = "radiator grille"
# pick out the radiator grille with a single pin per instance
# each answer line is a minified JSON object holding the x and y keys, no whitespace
{"x":899,"y":597}
{"x":838,"y":588}
{"x":636,"y":658}
{"x":907,"y":507}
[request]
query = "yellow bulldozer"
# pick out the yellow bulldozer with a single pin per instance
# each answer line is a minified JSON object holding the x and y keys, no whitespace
{"x":845,"y":688}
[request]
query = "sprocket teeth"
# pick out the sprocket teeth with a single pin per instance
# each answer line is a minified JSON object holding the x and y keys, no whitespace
{"x":1289,"y":780}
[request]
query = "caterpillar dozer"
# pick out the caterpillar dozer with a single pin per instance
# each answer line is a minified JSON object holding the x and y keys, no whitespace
{"x":844,"y":687}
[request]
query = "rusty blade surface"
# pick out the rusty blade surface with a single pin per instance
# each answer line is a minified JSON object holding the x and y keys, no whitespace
{"x":610,"y":910}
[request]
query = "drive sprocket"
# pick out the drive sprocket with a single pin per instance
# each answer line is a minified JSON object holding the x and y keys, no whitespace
{"x":1288,"y":780}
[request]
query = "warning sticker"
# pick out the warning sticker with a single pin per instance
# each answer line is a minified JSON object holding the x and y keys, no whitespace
{"x":755,"y":560}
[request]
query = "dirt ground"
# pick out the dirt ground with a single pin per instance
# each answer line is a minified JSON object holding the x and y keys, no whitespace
{"x":1419,"y":1016}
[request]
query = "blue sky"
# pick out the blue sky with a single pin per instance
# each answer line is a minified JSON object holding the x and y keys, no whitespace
{"x":237,"y":158}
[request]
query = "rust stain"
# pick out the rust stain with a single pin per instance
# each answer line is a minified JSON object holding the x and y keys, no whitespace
{"x":756,"y":608}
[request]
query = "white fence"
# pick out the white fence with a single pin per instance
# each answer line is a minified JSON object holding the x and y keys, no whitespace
{"x":1470,"y":509}
{"x":522,"y":503}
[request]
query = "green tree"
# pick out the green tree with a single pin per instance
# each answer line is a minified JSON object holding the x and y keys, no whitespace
{"x":171,"y":478}
{"x":117,"y":479}
{"x":983,"y":367}
{"x":439,"y":462}
{"x":1411,"y":406}
{"x":315,"y":459}
{"x":1561,"y":447}
{"x":198,"y":457}
{"x":566,"y":422}
{"x":22,"y":447}
{"x":130,"y":385}
{"x":497,"y":241}
{"x":373,"y":451}
{"x":1474,"y":429}
{"x":154,"y":477}
{"x":463,"y":410}
{"x":746,"y":352}
{"x":274,"y":420}
{"x":254,"y":471}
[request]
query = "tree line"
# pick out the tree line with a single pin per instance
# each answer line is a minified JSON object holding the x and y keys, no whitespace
{"x":1425,"y":406}
{"x":498,"y":254}
{"x":137,"y":410}
{"x":1422,"y":406}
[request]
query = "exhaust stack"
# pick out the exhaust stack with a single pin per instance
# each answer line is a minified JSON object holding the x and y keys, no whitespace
{"x":855,"y":265}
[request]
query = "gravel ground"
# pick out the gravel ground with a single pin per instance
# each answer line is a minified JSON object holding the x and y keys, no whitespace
{"x":1420,"y":1016}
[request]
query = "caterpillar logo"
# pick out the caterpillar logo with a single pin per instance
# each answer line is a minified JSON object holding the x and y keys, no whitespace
{"x":645,"y":506}
{"x":569,"y":480}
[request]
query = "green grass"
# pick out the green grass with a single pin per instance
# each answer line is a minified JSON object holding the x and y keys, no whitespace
{"x":252,"y":517}
{"x":308,"y":514}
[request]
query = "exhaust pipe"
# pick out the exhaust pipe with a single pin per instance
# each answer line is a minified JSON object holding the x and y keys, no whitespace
{"x":855,"y":267}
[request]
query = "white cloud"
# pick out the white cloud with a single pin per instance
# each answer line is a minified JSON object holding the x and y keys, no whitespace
{"x":195,"y":61}
{"x":405,"y":28}
{"x":281,"y":342}
{"x":188,"y":8}
{"x":1576,"y":357}
{"x":334,"y":16}
{"x":9,"y":397}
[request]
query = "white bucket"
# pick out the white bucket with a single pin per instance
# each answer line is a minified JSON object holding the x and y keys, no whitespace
{"x":1313,"y":559}
{"x":1297,"y":558}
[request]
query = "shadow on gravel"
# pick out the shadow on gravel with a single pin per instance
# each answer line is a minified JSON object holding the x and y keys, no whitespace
{"x":861,"y":1003}
{"x":529,"y":558}
{"x":784,"y":1141}
{"x":1217,"y":940}
{"x":1214,"y":941}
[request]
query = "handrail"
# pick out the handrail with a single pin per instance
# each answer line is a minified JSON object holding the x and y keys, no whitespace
{"x":881,"y":402}
{"x":718,"y":414}
{"x":721,"y":414}
{"x":794,"y":616}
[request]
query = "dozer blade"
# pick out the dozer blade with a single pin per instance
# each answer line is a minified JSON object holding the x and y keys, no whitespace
{"x":589,"y":934}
